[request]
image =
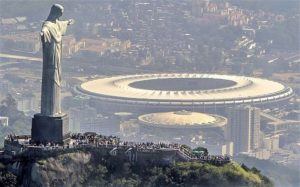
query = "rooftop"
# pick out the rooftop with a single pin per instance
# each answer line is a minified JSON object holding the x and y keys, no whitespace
{"x":198,"y":89}
{"x":182,"y":119}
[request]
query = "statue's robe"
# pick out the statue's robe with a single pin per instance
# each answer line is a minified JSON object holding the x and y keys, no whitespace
{"x":51,"y":37}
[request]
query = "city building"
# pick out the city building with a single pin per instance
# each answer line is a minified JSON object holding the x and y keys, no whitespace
{"x":227,"y":149}
{"x":70,"y":46}
{"x":271,"y":143}
{"x":100,"y":124}
{"x":86,"y":119}
{"x":78,"y":115}
{"x":27,"y":102}
{"x":262,"y":154}
{"x":129,"y":129}
{"x":243,"y":128}
{"x":4,"y":88}
{"x":98,"y":47}
{"x":28,"y":42}
{"x":3,"y":121}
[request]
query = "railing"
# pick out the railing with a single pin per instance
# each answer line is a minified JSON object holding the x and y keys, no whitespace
{"x":113,"y":146}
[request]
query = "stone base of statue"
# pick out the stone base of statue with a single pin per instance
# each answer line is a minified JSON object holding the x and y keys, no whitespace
{"x":49,"y":129}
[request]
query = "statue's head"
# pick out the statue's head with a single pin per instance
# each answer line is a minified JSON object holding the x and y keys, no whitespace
{"x":55,"y":12}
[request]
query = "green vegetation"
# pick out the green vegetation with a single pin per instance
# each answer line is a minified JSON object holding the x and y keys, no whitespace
{"x":18,"y":122}
{"x":7,"y":179}
{"x":279,"y":174}
{"x":200,"y":151}
{"x":118,"y":173}
{"x":105,"y":170}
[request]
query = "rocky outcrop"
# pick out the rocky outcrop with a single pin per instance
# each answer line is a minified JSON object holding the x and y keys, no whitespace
{"x":63,"y":170}
{"x":95,"y":167}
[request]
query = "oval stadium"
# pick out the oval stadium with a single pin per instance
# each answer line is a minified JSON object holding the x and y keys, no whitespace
{"x":181,"y":123}
{"x":181,"y":91}
{"x":181,"y":120}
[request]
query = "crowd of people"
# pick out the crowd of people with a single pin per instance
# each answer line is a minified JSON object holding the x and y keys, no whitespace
{"x":101,"y":141}
{"x":93,"y":139}
{"x":108,"y":141}
{"x":113,"y":141}
{"x":214,"y":159}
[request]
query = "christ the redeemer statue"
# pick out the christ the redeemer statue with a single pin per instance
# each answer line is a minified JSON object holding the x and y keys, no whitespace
{"x":51,"y":35}
{"x":51,"y":125}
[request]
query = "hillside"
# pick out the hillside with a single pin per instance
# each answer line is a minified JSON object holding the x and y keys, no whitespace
{"x":18,"y":122}
{"x":91,"y":168}
{"x":281,"y":175}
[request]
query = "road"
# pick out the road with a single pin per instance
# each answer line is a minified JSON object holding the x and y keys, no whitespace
{"x":17,"y":57}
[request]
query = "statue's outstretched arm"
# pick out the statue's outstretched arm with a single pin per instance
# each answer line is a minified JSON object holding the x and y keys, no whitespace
{"x":71,"y":21}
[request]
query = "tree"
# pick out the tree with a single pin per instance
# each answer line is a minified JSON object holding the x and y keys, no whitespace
{"x":7,"y":179}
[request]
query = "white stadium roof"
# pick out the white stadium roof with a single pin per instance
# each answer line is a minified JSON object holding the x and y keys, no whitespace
{"x":243,"y":90}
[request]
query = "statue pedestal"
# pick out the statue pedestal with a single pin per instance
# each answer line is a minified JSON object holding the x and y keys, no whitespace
{"x":53,"y":129}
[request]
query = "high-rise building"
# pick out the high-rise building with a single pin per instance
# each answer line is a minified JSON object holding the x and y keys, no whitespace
{"x":271,"y":143}
{"x":80,"y":114}
{"x":4,"y":88}
{"x":227,"y":149}
{"x":243,"y":128}
{"x":27,"y":102}
{"x":86,"y":119}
